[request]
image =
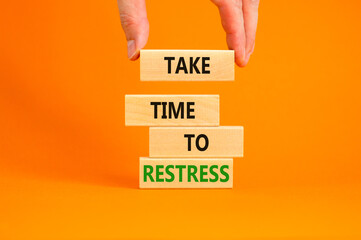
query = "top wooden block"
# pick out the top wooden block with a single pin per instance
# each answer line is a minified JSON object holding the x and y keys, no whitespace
{"x":186,"y":65}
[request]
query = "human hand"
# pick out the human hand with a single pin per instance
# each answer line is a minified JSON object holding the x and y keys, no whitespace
{"x":239,"y":20}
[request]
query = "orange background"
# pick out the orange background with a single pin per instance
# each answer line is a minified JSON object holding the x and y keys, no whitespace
{"x":69,"y":166}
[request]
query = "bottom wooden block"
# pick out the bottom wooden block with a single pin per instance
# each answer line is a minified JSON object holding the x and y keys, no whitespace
{"x":185,"y":172}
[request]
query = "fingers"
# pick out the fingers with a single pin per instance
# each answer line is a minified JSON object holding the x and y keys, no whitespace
{"x":239,"y":20}
{"x":250,"y":15}
{"x":232,"y":22}
{"x":133,"y":16}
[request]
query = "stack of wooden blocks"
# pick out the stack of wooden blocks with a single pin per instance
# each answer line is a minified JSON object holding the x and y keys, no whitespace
{"x":187,"y":147}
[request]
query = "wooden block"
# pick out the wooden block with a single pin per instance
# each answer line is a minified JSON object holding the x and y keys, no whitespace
{"x":186,"y":65}
{"x":186,"y":173}
{"x":171,"y":110}
{"x":196,"y":142}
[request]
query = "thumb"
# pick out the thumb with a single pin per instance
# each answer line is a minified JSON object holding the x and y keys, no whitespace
{"x":133,"y":16}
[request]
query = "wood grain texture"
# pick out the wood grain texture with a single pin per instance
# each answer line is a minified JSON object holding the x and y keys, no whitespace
{"x":139,"y":111}
{"x":171,"y":142}
{"x":195,"y":173}
{"x":153,"y":66}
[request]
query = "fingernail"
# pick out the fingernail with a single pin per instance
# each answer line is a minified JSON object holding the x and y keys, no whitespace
{"x":247,"y":57}
{"x":131,"y":49}
{"x":249,"y":53}
{"x":243,"y":61}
